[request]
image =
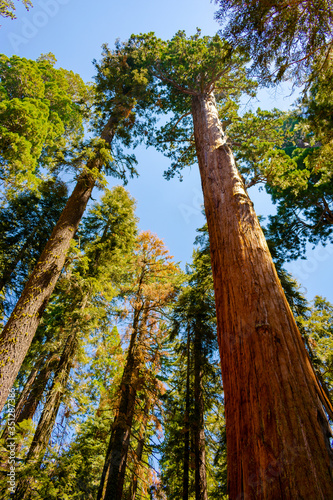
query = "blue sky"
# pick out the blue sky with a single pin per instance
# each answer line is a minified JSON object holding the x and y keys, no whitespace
{"x":74,"y":31}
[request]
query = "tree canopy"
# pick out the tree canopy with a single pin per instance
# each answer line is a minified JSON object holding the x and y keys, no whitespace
{"x":284,"y":38}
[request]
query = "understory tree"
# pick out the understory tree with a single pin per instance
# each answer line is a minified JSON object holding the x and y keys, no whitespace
{"x":192,"y":459}
{"x":80,"y":305}
{"x":152,"y":288}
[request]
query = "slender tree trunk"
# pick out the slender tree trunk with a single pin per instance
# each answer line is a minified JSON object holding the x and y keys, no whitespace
{"x":33,"y":390}
{"x":50,"y":411}
{"x":112,"y":481}
{"x":139,"y":452}
{"x":54,"y":398}
{"x":187,"y":422}
{"x":199,"y":426}
{"x":277,"y":431}
{"x":24,"y":320}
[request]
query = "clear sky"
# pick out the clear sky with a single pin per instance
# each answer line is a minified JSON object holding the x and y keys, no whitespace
{"x":74,"y":31}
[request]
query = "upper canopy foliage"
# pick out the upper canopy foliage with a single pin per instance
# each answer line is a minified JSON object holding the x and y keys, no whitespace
{"x":284,"y":38}
{"x":41,"y":110}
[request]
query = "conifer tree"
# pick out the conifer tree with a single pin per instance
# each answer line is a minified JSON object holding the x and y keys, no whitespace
{"x":26,"y":223}
{"x":273,"y":404}
{"x":94,"y":274}
{"x":127,"y":92}
{"x":154,"y":277}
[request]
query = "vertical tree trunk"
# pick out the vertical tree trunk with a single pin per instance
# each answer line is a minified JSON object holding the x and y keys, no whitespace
{"x":112,"y":481}
{"x":19,"y":331}
{"x":199,"y":426}
{"x":277,"y":431}
{"x":54,"y":398}
{"x":33,"y":390}
{"x":187,"y":423}
{"x":139,"y":452}
{"x":50,"y":411}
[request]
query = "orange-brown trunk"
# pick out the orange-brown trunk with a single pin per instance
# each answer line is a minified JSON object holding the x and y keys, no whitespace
{"x":277,"y":431}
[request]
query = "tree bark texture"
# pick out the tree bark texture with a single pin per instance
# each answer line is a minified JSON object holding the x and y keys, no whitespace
{"x":20,"y":329}
{"x":199,"y":425}
{"x":277,"y":430}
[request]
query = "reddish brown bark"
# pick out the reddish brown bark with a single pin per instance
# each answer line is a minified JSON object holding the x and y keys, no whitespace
{"x":20,"y":329}
{"x":277,"y":430}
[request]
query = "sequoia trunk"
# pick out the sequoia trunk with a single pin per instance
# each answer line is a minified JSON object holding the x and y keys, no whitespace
{"x":19,"y":331}
{"x":277,"y":430}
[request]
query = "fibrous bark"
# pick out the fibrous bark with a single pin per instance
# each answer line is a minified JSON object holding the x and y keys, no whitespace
{"x":277,"y":430}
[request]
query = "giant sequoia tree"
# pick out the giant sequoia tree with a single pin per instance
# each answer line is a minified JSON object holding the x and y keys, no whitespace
{"x":277,"y":428}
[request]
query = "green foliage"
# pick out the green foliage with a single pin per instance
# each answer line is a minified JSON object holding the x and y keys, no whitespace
{"x":193,"y":314}
{"x":284,"y":38}
{"x":7,"y":7}
{"x":317,"y":328}
{"x":26,"y":223}
{"x":304,"y":192}
{"x":41,"y":109}
{"x":184,"y":67}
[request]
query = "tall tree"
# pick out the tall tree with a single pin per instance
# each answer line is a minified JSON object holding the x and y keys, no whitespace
{"x":188,"y":449}
{"x":127,"y":91}
{"x":153,"y":287}
{"x":42,"y":109}
{"x":273,"y":400}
